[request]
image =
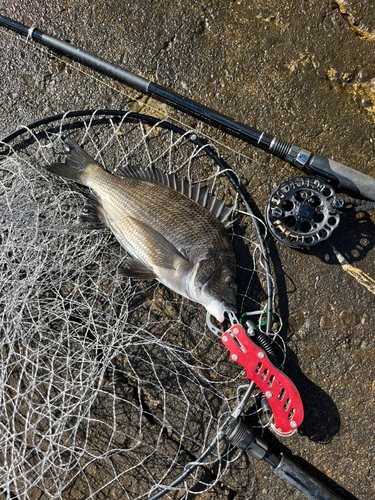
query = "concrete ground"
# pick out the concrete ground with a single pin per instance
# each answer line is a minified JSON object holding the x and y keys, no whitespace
{"x":302,"y":70}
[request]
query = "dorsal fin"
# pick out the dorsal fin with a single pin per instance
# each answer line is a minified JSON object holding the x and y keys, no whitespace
{"x":194,"y":191}
{"x":225,"y":214}
{"x":203,"y":197}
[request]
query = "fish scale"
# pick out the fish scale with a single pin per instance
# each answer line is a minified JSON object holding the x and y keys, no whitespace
{"x":127,"y":197}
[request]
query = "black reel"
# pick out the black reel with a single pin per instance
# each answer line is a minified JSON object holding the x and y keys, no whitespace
{"x":303,"y":212}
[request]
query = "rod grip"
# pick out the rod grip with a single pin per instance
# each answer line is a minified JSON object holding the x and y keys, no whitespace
{"x":344,"y":178}
{"x":303,"y":482}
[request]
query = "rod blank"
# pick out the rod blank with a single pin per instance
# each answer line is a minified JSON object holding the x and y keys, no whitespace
{"x":340,"y":176}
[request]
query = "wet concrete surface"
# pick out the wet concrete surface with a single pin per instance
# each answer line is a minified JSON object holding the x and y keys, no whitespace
{"x":302,"y":70}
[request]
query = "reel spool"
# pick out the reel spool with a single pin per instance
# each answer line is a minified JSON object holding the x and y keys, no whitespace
{"x":303,"y":212}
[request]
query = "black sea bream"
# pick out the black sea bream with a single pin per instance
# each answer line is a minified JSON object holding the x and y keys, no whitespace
{"x":163,"y":224}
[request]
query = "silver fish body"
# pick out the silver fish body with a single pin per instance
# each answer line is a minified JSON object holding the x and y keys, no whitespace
{"x":168,"y":236}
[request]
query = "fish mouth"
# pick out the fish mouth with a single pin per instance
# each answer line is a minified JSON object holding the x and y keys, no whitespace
{"x":218,"y":305}
{"x":218,"y":308}
{"x":230,"y":307}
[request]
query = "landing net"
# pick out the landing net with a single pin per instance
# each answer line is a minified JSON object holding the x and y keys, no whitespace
{"x":110,"y":387}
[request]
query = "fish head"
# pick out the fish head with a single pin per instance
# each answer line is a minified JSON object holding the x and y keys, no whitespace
{"x":215,"y":284}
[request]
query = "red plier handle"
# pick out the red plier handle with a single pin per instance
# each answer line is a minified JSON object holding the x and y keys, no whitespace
{"x":279,"y":390}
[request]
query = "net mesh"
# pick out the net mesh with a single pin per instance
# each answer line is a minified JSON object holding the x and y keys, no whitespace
{"x":110,"y":387}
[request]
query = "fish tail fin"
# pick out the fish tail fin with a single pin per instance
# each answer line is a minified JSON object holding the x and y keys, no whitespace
{"x":77,"y":163}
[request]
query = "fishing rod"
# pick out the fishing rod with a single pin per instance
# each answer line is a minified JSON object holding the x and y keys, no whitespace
{"x":235,"y":431}
{"x":343,"y":178}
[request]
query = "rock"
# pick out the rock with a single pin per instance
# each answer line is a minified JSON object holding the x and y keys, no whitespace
{"x":366,"y":103}
{"x":326,"y":322}
{"x":366,"y":74}
{"x":350,"y":318}
{"x":356,"y":359}
{"x":328,"y":23}
{"x":28,"y":80}
{"x":321,"y":73}
{"x":255,"y":182}
{"x":296,"y":321}
{"x":312,"y":349}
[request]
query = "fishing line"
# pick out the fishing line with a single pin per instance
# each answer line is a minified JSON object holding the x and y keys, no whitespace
{"x":156,"y":110}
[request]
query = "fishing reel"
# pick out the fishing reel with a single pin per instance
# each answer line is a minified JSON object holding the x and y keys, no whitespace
{"x":303,"y":211}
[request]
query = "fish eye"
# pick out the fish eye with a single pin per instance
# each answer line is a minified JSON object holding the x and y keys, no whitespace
{"x":229,"y":281}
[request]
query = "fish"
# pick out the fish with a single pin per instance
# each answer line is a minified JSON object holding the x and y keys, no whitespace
{"x":173,"y":230}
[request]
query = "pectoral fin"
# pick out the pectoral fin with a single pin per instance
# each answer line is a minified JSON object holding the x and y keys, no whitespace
{"x":136,"y":269}
{"x":161,"y":253}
